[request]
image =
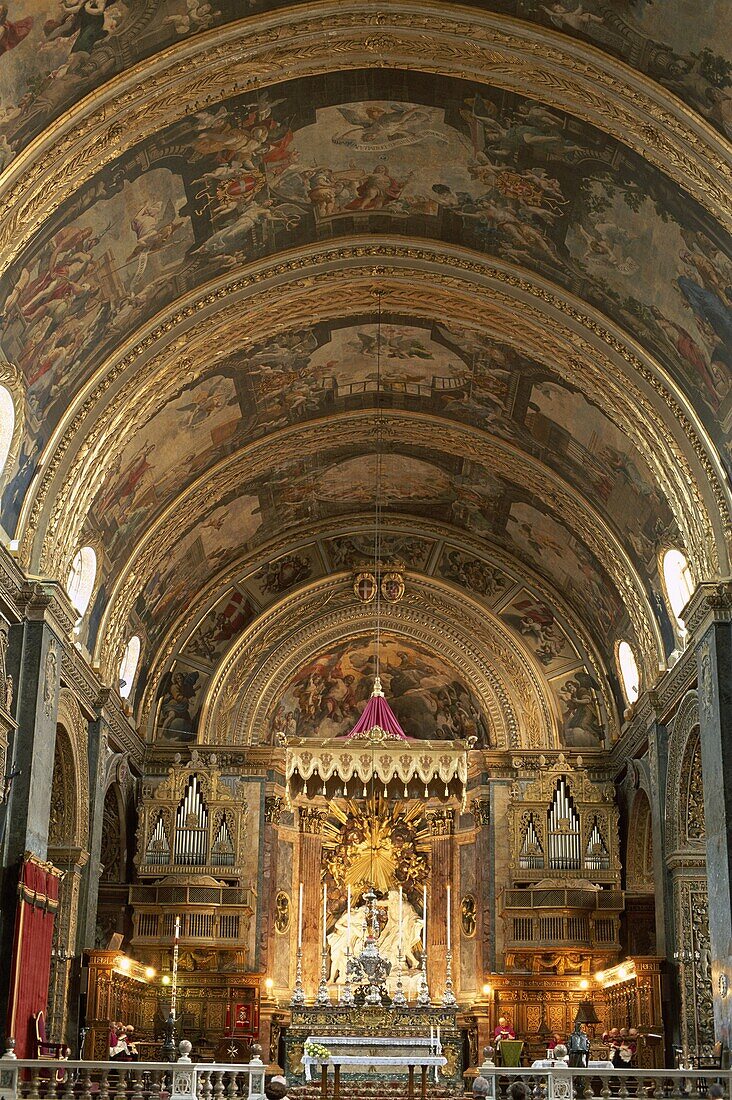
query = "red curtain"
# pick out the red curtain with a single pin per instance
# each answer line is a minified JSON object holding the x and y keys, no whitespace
{"x":31,"y":965}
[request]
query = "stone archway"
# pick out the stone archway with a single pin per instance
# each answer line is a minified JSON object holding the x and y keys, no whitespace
{"x":68,"y":848}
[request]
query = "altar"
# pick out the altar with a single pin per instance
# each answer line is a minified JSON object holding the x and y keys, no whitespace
{"x":375,"y":1040}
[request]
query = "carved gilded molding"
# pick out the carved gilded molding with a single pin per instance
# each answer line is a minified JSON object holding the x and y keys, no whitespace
{"x":685,"y":730}
{"x":347,"y":431}
{"x":267,"y":49}
{"x":501,"y":670}
{"x":301,"y":537}
{"x":419,"y":291}
{"x":69,"y":715}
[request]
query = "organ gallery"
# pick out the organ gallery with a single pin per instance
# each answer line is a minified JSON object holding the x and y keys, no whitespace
{"x":365,"y":590}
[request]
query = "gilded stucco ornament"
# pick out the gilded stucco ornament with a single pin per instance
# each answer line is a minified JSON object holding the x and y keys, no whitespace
{"x":245,"y":56}
{"x":556,"y":329}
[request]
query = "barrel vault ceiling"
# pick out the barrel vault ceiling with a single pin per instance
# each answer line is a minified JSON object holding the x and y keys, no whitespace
{"x":217,"y":230}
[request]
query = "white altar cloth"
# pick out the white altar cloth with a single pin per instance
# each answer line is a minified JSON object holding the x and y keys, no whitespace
{"x":416,"y":1051}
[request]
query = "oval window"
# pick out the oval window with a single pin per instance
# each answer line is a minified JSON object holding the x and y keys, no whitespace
{"x":679,"y":583}
{"x":128,"y":668}
{"x":80,"y":584}
{"x":7,"y":424}
{"x":629,"y":676}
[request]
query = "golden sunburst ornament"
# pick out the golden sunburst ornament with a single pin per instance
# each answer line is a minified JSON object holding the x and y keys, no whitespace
{"x":377,"y":843}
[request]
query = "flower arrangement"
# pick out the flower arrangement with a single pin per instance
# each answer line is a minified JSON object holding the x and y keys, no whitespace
{"x":317,"y":1050}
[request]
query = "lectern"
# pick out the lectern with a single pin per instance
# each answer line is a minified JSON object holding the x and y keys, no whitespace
{"x":510,"y":1051}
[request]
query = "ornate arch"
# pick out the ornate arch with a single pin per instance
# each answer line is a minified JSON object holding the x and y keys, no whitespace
{"x":73,"y":735}
{"x":684,"y":791}
{"x":639,"y":859}
{"x":503,"y":674}
{"x":556,"y":329}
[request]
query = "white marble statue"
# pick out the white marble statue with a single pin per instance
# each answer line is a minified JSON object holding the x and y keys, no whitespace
{"x":388,"y":938}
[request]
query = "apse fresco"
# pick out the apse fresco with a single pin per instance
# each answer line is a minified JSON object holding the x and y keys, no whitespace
{"x":441,"y":159}
{"x":56,"y":51}
{"x":431,"y":701}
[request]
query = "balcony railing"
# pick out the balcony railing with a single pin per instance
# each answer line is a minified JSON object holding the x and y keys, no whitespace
{"x":51,"y":1079}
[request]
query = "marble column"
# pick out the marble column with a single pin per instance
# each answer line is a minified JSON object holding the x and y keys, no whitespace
{"x":34,"y":662}
{"x":98,"y":752}
{"x":658,"y":739}
{"x":63,"y":988}
{"x":310,"y":822}
{"x":442,"y":830}
{"x":272,"y":812}
{"x":709,"y":621}
{"x":480,"y":808}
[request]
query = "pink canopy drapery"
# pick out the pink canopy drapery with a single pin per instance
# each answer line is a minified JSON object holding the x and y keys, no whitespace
{"x":377,"y":717}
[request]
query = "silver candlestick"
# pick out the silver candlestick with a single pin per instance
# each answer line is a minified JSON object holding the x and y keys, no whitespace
{"x":423,"y":996}
{"x":346,"y":995}
{"x":399,"y":999}
{"x":323,"y":997}
{"x":448,"y":997}
{"x":298,"y":993}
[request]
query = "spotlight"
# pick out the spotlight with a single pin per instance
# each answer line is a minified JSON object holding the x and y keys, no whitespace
{"x":165,"y":979}
{"x":149,"y":972}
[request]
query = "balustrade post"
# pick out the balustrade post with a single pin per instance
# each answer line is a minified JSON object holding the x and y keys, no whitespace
{"x":184,"y":1075}
{"x":256,"y":1076}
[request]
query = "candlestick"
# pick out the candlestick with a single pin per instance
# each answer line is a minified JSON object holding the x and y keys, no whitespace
{"x":423,"y":995}
{"x":298,"y":993}
{"x":399,"y":999}
{"x":299,"y":920}
{"x":348,"y":940}
{"x":325,"y":914}
{"x":399,"y":947}
{"x":323,"y":997}
{"x":449,"y":945}
{"x":346,"y":994}
{"x":424,"y":918}
{"x":448,"y":997}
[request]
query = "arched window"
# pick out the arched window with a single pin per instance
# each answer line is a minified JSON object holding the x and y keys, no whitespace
{"x":679,"y":583}
{"x":7,"y":424}
{"x":628,"y":669}
{"x":128,"y":668}
{"x":80,"y":584}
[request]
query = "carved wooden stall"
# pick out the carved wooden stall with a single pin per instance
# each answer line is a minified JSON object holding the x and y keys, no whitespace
{"x":117,"y":989}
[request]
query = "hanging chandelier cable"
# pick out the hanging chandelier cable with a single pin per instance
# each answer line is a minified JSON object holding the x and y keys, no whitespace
{"x":377,"y":502}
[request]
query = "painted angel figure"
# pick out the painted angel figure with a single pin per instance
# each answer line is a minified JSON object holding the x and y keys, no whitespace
{"x":376,"y":125}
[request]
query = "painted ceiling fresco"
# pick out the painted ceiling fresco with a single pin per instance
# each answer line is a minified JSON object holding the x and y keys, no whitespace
{"x":402,"y":156}
{"x":483,"y":169}
{"x":53,"y":52}
{"x":332,"y":368}
{"x":427,"y":484}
